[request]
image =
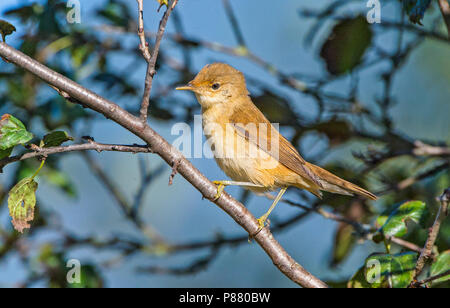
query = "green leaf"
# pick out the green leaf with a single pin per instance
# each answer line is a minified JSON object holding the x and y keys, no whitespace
{"x":6,"y":29}
{"x":12,"y":132}
{"x":441,"y":265}
{"x":55,"y":139}
{"x":21,"y":203}
{"x":382,"y":270}
{"x":395,"y":225}
{"x":346,"y":45}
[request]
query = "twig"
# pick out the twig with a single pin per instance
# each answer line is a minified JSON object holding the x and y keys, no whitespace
{"x":90,"y":146}
{"x":422,"y":149}
{"x":415,"y":178}
{"x":152,"y":62}
{"x":361,"y":229}
{"x":108,"y":183}
{"x":147,"y":178}
{"x":404,"y":243}
{"x":281,"y":259}
{"x":195,"y":267}
{"x":444,"y":199}
{"x":143,"y":46}
{"x":432,"y":278}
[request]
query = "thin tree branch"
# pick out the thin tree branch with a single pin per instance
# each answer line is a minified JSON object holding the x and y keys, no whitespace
{"x":362,"y":230}
{"x":90,"y":146}
{"x":444,"y":199}
{"x":432,"y":278}
{"x":151,"y":71}
{"x":282,"y":260}
{"x":404,"y":243}
{"x":422,"y":149}
{"x":143,"y":46}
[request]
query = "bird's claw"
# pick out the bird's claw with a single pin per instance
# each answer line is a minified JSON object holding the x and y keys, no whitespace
{"x":220,"y":189}
{"x":262,"y":223}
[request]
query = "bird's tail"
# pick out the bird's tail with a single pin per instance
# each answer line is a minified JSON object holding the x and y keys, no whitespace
{"x":335,"y":184}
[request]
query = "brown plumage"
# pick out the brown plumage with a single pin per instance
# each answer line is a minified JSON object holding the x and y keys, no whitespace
{"x":232,"y":124}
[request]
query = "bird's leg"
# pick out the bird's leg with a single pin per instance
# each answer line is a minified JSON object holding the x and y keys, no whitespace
{"x":222,"y":184}
{"x":263,"y":218}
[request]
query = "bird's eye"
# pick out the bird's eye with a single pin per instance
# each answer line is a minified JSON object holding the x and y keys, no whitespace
{"x":215,"y":86}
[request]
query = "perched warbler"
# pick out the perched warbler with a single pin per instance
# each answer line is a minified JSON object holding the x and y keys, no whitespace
{"x":248,"y":148}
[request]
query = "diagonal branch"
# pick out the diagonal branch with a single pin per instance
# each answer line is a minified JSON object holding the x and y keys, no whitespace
{"x":281,"y":259}
{"x":151,"y":71}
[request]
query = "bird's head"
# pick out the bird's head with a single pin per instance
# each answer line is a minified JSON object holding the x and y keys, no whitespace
{"x":217,"y":83}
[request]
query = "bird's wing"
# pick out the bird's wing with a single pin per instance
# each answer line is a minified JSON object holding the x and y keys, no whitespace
{"x":247,"y":113}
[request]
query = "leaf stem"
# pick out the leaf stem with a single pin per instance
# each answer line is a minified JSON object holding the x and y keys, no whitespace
{"x":39,"y":169}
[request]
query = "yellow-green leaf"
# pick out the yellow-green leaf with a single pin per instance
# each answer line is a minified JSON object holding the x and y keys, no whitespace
{"x":12,"y":132}
{"x":21,"y":203}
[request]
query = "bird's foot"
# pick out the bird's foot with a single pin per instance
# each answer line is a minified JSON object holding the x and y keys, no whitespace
{"x":220,"y":188}
{"x":262,"y":223}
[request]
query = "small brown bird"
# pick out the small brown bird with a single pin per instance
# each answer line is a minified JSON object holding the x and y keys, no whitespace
{"x":248,"y":148}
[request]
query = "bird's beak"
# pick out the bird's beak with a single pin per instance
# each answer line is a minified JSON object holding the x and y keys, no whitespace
{"x":187,"y":87}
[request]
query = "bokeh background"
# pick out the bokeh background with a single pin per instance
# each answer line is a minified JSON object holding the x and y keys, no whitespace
{"x":73,"y":200}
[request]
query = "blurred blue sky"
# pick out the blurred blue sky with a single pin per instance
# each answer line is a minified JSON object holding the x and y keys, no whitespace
{"x":274,"y":31}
